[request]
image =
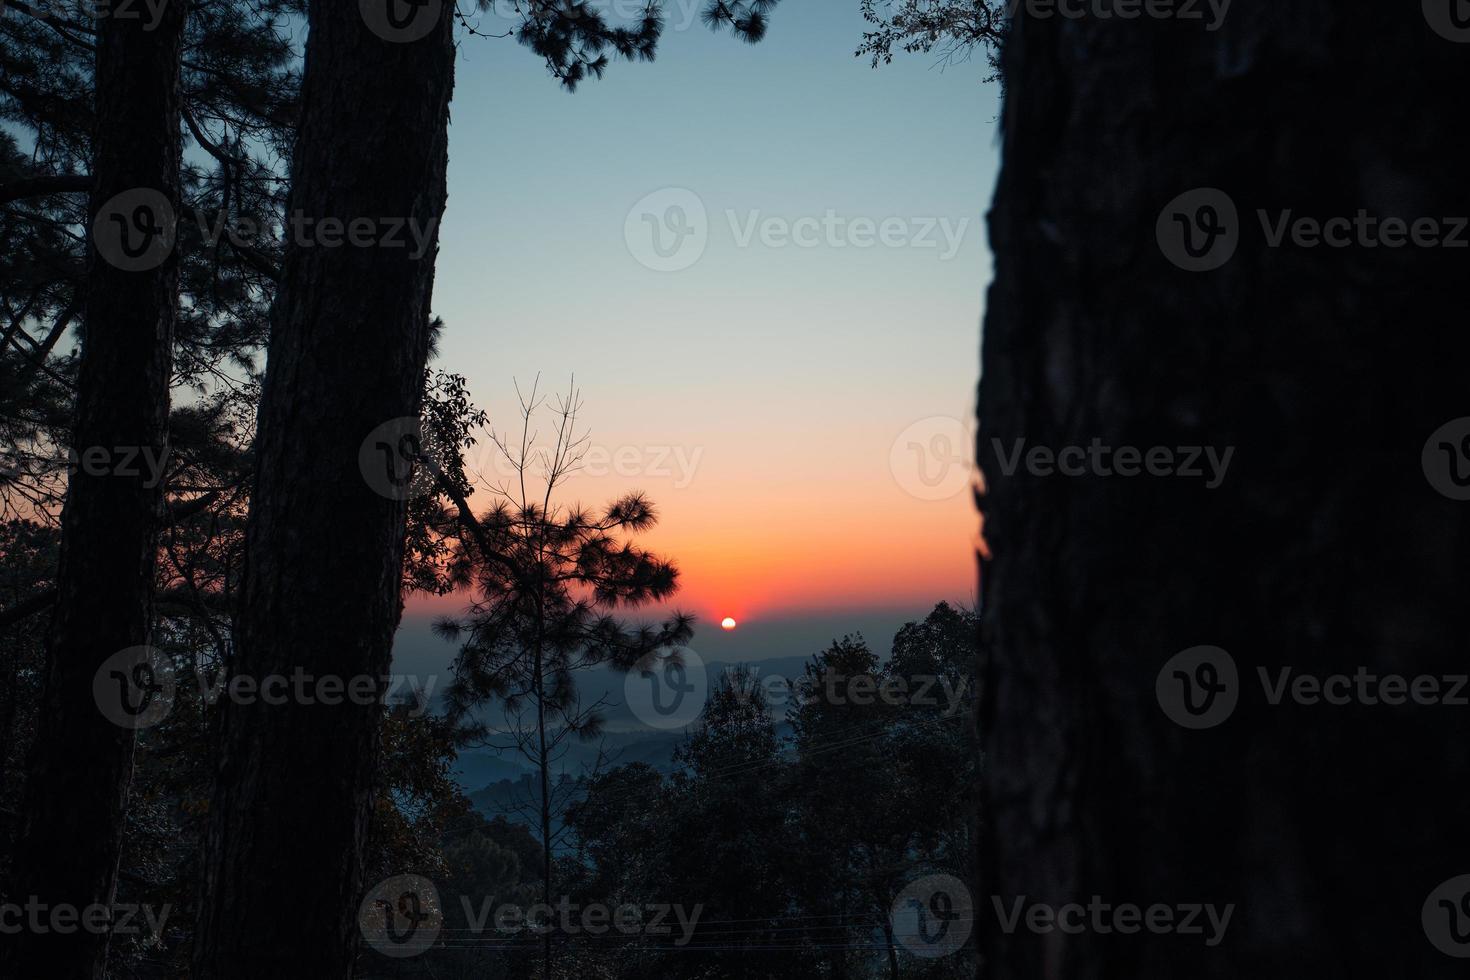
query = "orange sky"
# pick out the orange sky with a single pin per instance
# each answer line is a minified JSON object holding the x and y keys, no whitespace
{"x":794,"y":526}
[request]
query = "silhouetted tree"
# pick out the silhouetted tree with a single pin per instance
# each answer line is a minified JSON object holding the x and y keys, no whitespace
{"x":850,"y":806}
{"x":953,"y":28}
{"x":795,"y":848}
{"x":574,"y":37}
{"x":81,"y":762}
{"x":236,"y":95}
{"x":1324,"y":550}
{"x":729,"y":843}
{"x":932,"y":742}
{"x":548,"y":578}
{"x":218,"y":71}
{"x":882,"y":778}
{"x":92,"y":120}
{"x":29,"y":566}
{"x":349,"y":342}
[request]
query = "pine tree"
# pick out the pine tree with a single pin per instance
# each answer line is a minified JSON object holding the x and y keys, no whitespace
{"x":349,"y":342}
{"x":548,"y":577}
{"x":95,"y":109}
{"x":242,"y":117}
{"x":1325,"y":549}
{"x":81,"y":763}
{"x":955,"y":29}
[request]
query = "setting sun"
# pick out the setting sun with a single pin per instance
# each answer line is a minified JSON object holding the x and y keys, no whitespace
{"x":727,"y":623}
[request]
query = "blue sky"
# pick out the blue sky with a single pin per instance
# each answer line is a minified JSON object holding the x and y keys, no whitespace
{"x":783,"y":375}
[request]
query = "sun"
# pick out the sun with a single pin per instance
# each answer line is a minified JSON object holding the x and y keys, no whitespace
{"x":728,"y":623}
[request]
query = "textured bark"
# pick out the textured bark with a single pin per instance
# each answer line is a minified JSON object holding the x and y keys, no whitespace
{"x":81,"y":764}
{"x":1324,"y":549}
{"x":284,"y":851}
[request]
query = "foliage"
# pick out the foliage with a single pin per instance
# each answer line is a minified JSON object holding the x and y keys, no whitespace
{"x":577,"y":41}
{"x":955,"y":29}
{"x":548,"y":579}
{"x":239,"y":91}
{"x":27,"y":567}
{"x":796,"y":849}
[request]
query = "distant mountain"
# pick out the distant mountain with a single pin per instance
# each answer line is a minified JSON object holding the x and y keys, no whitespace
{"x":499,"y":797}
{"x":609,"y":686}
{"x":477,"y":768}
{"x":625,"y":739}
{"x":515,"y":801}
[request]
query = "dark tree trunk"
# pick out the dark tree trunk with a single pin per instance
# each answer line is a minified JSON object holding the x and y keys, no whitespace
{"x":284,"y":851}
{"x":1324,"y":549}
{"x":890,"y":944}
{"x":81,"y":763}
{"x":543,"y":766}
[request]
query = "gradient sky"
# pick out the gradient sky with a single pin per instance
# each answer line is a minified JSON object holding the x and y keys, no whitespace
{"x":783,"y":375}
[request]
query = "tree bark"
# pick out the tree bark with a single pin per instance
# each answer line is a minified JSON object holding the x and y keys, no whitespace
{"x":81,"y":763}
{"x":284,"y":851}
{"x":1325,"y":548}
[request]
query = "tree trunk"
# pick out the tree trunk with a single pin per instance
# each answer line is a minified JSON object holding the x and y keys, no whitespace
{"x":81,"y":762}
{"x":284,"y":850}
{"x":543,"y":765}
{"x":1325,"y":547}
{"x":890,"y":944}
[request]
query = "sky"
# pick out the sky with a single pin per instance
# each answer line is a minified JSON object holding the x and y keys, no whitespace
{"x":765,"y":266}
